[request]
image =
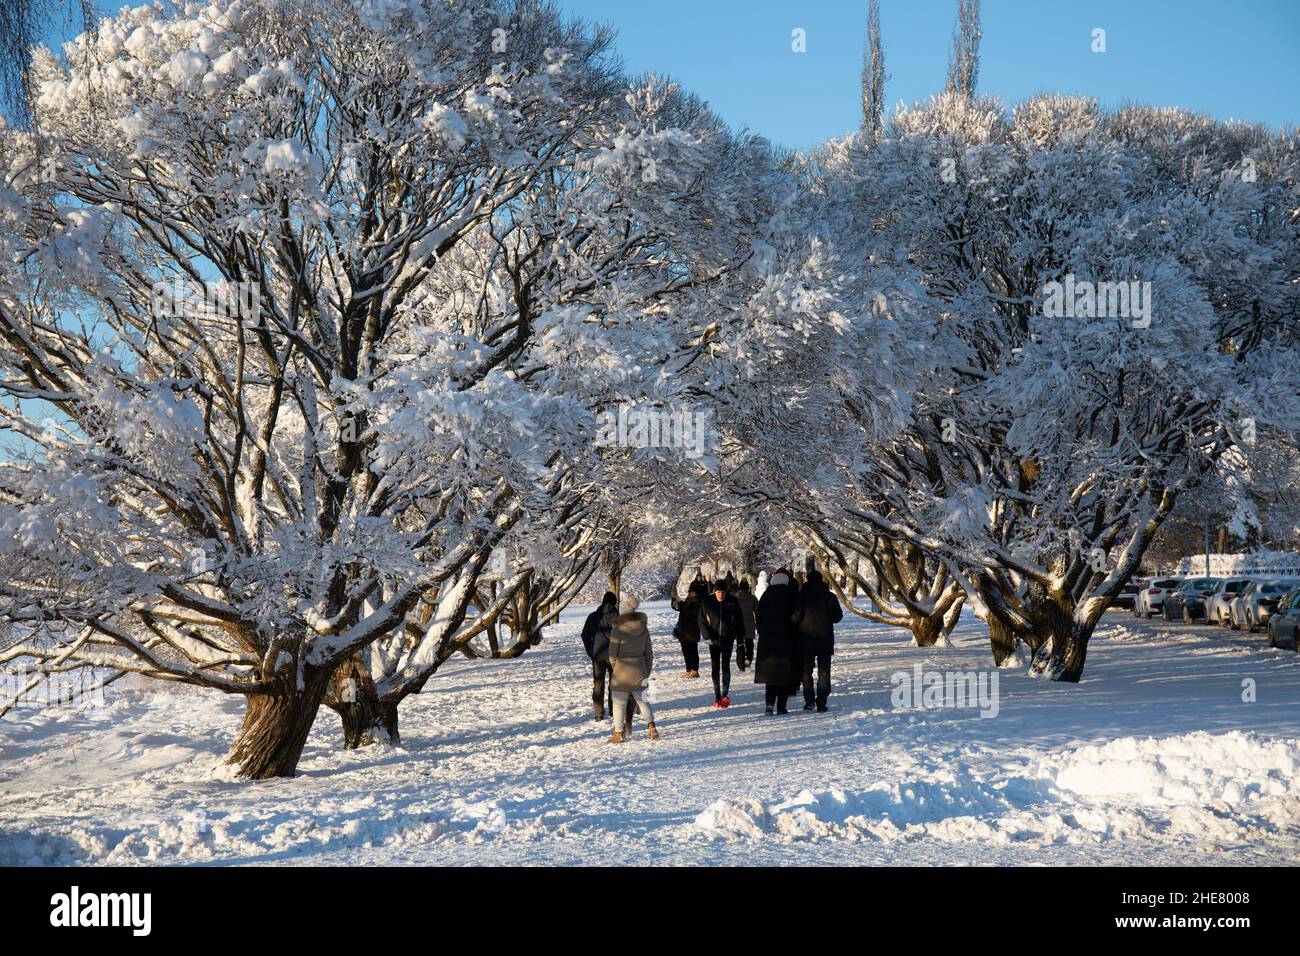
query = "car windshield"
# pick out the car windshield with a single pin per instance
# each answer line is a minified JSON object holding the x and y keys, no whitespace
{"x":1232,"y":587}
{"x":1165,"y":583}
{"x":1275,"y":587}
{"x":1201,"y":584}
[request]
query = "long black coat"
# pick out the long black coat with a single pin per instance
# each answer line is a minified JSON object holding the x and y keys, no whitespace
{"x":821,"y":612}
{"x":595,"y":632}
{"x":777,"y":659}
{"x":688,"y":619}
{"x":721,"y":623}
{"x":748,"y":605}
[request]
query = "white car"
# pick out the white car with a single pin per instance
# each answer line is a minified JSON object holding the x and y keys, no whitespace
{"x":1218,"y":606}
{"x":1255,"y":602}
{"x":1151,"y":596}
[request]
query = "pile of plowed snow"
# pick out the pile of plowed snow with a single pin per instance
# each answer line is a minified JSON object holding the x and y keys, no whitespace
{"x":1195,"y":769}
{"x":1217,"y":788}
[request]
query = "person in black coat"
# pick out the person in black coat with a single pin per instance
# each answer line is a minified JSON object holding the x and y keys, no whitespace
{"x":687,"y":630}
{"x":776,"y":660}
{"x":821,"y":612}
{"x":595,"y":641}
{"x":748,"y":605}
{"x":721,"y":625}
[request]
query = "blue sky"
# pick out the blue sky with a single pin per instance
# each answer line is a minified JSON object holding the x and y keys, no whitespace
{"x":1229,"y":59}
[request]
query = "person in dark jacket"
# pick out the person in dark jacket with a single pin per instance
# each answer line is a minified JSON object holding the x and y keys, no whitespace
{"x":821,"y":612}
{"x":748,"y":604}
{"x":595,"y":641}
{"x":687,"y":630}
{"x":721,"y":625}
{"x":776,"y":662}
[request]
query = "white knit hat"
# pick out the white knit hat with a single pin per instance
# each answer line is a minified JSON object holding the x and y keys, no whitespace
{"x":628,"y":604}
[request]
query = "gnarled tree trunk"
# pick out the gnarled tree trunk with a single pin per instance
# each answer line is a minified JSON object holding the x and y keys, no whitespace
{"x":1002,"y":639}
{"x":276,"y":725}
{"x":926,"y":629}
{"x":1069,"y":650}
{"x":365,"y":717}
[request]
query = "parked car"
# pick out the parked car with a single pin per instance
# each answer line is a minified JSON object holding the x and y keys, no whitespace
{"x":1236,"y":612}
{"x":1151,"y":598}
{"x":1284,"y":623}
{"x":1218,"y":606}
{"x":1258,"y":601}
{"x":1187,"y":602}
{"x":1127,"y":598}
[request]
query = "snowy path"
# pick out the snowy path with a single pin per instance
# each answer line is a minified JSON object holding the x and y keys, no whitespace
{"x":501,"y":763}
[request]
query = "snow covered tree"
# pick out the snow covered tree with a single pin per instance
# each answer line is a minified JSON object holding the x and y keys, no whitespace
{"x":964,"y":60}
{"x":314,"y":312}
{"x":346,"y":287}
{"x":904,"y":585}
{"x":22,"y":23}
{"x":1046,"y":445}
{"x":873,"y":74}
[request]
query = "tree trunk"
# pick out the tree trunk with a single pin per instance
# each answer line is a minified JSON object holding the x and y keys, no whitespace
{"x":953,"y":615}
{"x":1053,"y":616}
{"x":275,"y":728}
{"x":366,"y":719}
{"x":1049,"y":614}
{"x":926,"y":629}
{"x":1002,"y":638}
{"x":1069,"y":650}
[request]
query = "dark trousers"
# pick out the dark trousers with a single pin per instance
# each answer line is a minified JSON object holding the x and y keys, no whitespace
{"x":602,"y":690}
{"x":720,"y":658}
{"x":823,"y":664}
{"x":691,"y":653}
{"x":777,"y":696}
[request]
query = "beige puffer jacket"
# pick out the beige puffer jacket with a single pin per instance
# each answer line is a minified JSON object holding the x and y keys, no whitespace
{"x":630,"y":653}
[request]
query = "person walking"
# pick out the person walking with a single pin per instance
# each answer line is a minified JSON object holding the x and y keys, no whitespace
{"x":821,"y":612}
{"x":748,"y":604}
{"x":595,"y":641}
{"x":721,"y":625}
{"x":687,"y":630}
{"x":776,"y":661}
{"x":631,"y":659}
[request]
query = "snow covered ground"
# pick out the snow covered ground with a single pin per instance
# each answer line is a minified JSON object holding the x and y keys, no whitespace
{"x":1155,"y":758}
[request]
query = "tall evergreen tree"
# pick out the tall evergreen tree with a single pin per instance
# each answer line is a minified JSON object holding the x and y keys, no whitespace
{"x":964,"y":62}
{"x":873,"y":74}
